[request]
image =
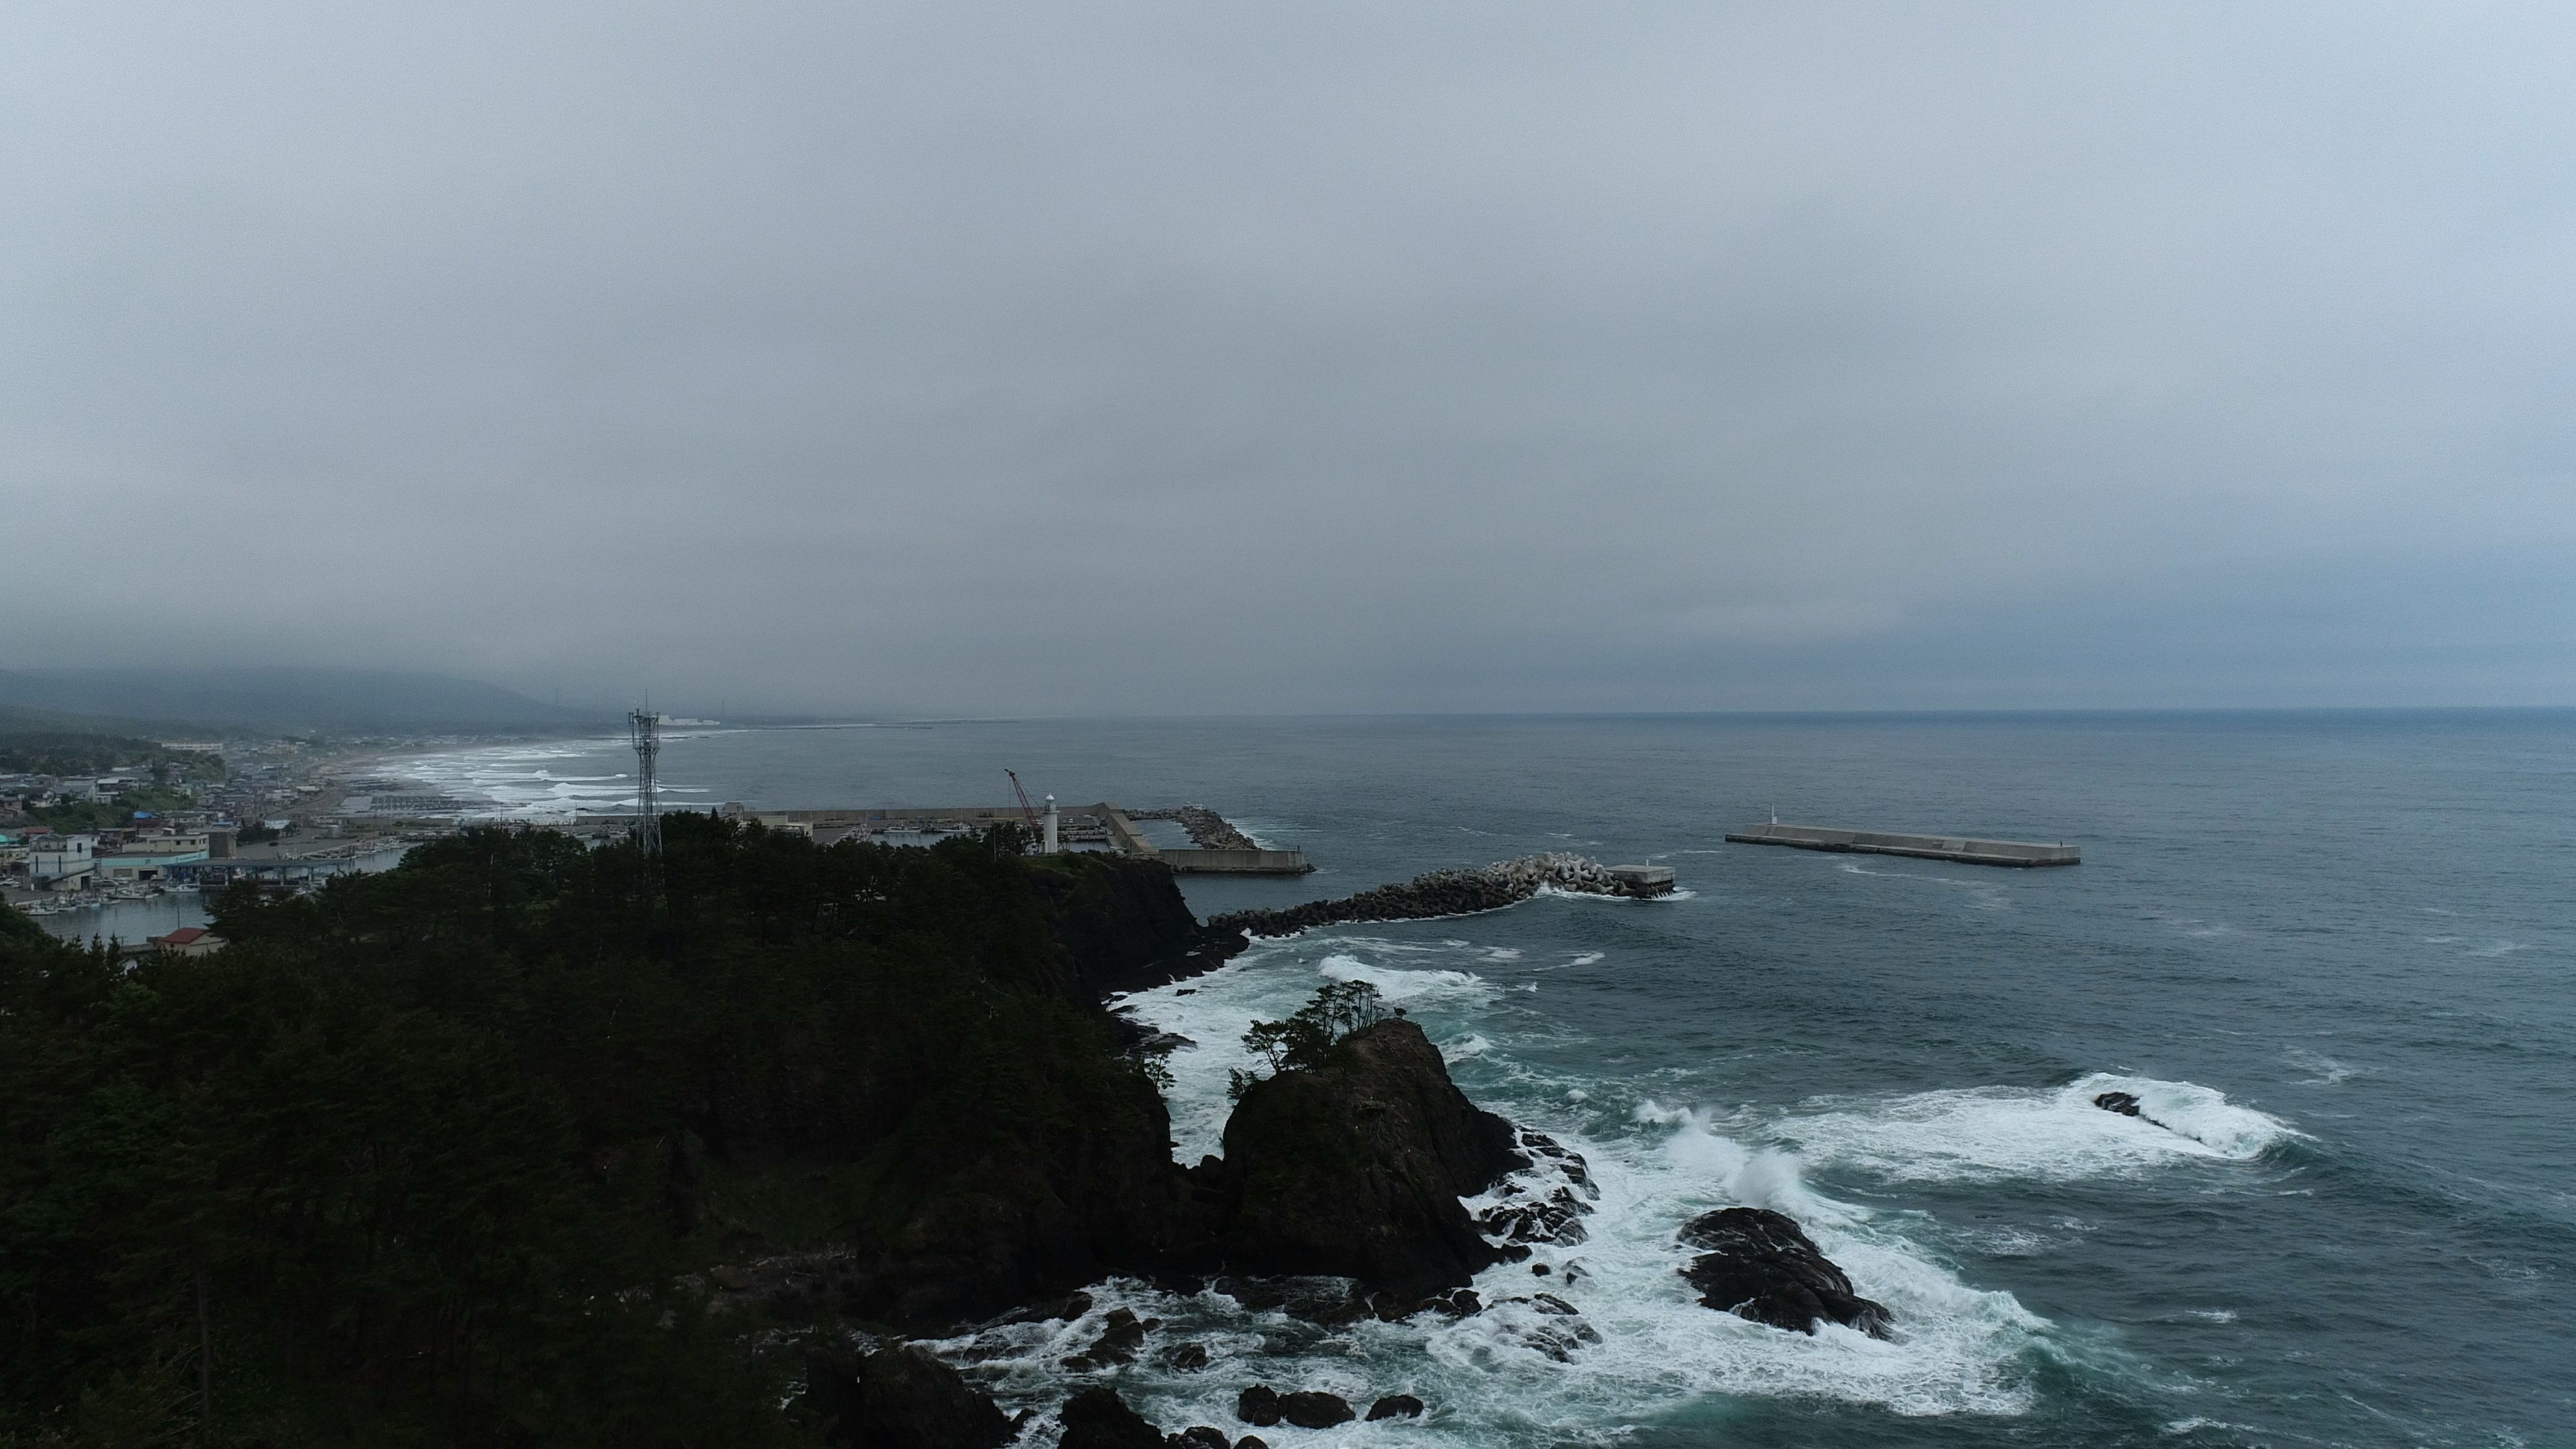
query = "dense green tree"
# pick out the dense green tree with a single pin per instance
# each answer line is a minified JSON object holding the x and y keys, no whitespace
{"x":424,"y":1156}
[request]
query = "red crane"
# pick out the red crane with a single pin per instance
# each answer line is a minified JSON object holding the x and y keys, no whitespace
{"x":1028,"y":811}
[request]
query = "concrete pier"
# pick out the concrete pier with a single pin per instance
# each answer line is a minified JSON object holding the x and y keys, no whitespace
{"x":1201,"y":860}
{"x":1103,"y":823}
{"x":1926,"y":847}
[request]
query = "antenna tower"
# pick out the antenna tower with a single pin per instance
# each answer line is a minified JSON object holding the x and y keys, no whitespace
{"x":645,"y":728}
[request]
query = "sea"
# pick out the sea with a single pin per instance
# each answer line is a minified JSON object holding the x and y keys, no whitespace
{"x":2329,"y":952}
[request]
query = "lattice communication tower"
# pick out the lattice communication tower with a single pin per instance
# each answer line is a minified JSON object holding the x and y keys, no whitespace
{"x":645,"y":728}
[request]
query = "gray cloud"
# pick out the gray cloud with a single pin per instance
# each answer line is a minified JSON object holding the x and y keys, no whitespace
{"x":1208,"y":358}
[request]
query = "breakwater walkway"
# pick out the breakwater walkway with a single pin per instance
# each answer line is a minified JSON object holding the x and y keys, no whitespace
{"x":1459,"y":893}
{"x":1927,"y":847}
{"x":1216,"y":847}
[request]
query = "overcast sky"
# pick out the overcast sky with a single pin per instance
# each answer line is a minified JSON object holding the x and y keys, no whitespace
{"x":1199,"y":357}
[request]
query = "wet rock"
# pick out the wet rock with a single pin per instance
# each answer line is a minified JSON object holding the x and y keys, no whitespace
{"x":1097,"y":1418}
{"x":1258,"y":1406}
{"x":1354,"y":1167}
{"x":1760,"y":1265}
{"x":1556,"y":1219}
{"x":2126,"y":1104}
{"x":900,"y":1398}
{"x":1395,"y":1406}
{"x":1121,"y":924}
{"x":1200,"y":1436}
{"x":1186,"y":1357}
{"x":1551,"y":1327}
{"x":1327,"y":1302}
{"x":1313,"y":1409}
{"x":1251,"y":1441}
{"x":1120,"y":1336}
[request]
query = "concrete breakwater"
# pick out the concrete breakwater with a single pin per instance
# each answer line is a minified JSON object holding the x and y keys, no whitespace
{"x":1966,"y":849}
{"x":1208,"y":830}
{"x":1458,"y":893}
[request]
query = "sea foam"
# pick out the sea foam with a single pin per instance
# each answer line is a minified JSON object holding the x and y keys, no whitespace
{"x":1521,"y":1373}
{"x":1988,"y":1133}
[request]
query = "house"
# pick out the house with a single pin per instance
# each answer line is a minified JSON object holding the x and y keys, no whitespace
{"x":187,"y":941}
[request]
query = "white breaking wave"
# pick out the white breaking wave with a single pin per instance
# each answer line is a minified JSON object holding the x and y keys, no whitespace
{"x":2053,"y":1134}
{"x":550,"y":781}
{"x":1517,"y":1374}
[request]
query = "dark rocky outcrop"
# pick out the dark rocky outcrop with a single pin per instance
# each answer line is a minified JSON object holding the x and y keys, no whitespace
{"x":1551,"y":1326}
{"x":1121,"y":1334}
{"x":1121,"y":923}
{"x":2126,"y":1104}
{"x":1263,"y":1406}
{"x":1097,"y":1418}
{"x":1314,"y":1409}
{"x":1354,"y":1167}
{"x":1760,"y":1265}
{"x":1029,"y":1214}
{"x":1258,"y":1406}
{"x":1395,"y":1406}
{"x":900,"y":1398}
{"x":1201,"y":1436}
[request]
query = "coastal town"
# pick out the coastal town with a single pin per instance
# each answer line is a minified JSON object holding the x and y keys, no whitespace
{"x":178,"y":817}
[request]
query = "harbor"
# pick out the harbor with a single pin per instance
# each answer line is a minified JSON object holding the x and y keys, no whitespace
{"x":1964,"y":849}
{"x":1216,"y":846}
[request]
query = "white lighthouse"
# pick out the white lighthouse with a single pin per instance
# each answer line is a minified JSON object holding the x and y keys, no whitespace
{"x":1047,"y":845}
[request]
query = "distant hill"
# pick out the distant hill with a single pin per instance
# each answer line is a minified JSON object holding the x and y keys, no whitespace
{"x":293,"y":699}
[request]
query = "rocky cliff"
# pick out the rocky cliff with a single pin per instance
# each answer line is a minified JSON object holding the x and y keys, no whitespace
{"x":1121,"y":924}
{"x":1356,"y":1166}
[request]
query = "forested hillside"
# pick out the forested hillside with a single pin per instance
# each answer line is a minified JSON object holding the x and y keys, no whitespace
{"x":429,"y":1157}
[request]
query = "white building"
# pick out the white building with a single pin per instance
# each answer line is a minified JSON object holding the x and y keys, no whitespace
{"x":61,"y":862}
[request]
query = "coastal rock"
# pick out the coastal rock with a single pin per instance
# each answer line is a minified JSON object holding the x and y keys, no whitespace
{"x":1761,"y":1265}
{"x":900,"y":1398}
{"x":2126,"y":1104}
{"x":1097,"y":1418}
{"x":1258,"y":1406}
{"x":1556,"y":1219}
{"x":1545,"y":1324}
{"x":1355,"y":1167}
{"x":1200,"y":1436}
{"x":1120,"y":1336}
{"x":1314,"y":1409}
{"x":1040,"y":1211}
{"x":1394,"y":1406}
{"x":1186,"y":1358}
{"x":1325,"y":1302}
{"x":1121,"y":924}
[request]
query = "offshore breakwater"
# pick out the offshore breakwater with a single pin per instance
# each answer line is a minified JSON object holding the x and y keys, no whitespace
{"x":1458,"y":893}
{"x":1965,"y":849}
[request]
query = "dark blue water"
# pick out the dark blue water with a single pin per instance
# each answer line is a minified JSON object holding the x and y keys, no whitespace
{"x":2332,"y":951}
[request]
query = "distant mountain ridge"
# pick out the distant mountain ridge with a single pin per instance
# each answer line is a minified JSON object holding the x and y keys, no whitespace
{"x":283,"y":697}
